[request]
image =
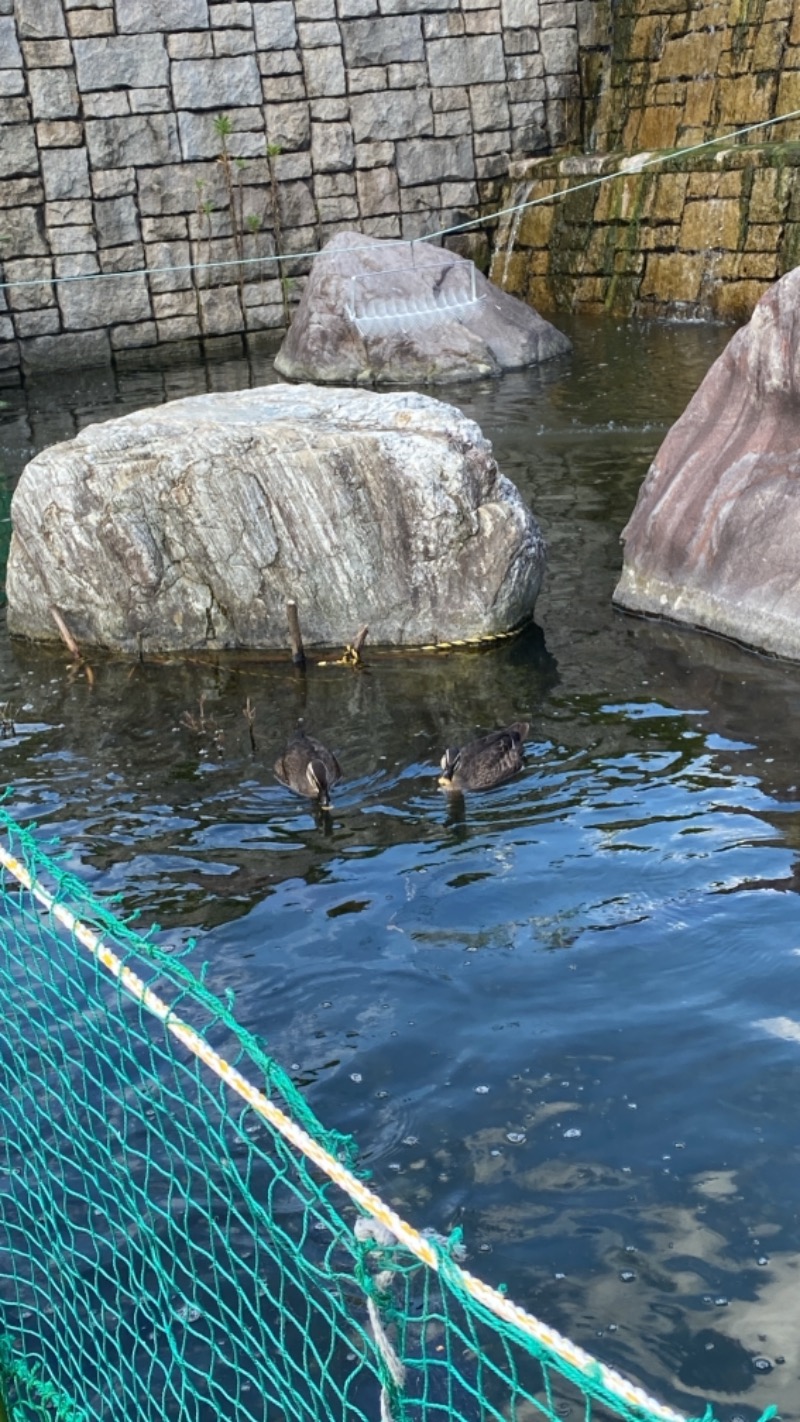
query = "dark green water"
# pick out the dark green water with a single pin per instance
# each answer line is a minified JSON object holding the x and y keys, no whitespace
{"x":564,"y":1015}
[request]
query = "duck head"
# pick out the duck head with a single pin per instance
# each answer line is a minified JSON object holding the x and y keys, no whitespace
{"x":448,"y":763}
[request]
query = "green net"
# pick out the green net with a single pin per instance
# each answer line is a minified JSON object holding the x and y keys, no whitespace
{"x":165,"y":1251}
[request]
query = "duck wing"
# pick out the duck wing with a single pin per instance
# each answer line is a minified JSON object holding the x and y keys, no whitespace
{"x":493,"y":759}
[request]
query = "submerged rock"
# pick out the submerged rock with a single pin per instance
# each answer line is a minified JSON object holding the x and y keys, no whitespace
{"x":408,"y":313}
{"x":189,"y":525}
{"x":713,"y":540}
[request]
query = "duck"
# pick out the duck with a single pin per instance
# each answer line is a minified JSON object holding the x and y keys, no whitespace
{"x":309,"y":768}
{"x":487,"y":762}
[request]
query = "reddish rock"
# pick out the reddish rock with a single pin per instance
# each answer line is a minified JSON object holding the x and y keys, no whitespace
{"x":408,"y":313}
{"x":714,"y":538}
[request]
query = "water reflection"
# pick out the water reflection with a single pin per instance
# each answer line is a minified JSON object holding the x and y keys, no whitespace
{"x":547,"y":1013}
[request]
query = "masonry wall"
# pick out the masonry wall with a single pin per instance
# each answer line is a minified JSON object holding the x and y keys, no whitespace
{"x":160,"y":133}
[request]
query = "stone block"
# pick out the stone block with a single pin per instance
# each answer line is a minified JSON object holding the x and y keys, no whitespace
{"x":522,"y":41}
{"x":560,"y":51}
{"x":72,"y":239}
{"x":265,"y":318}
{"x":116,"y":221}
{"x":22,"y":233}
{"x":409,"y":113}
{"x":19,"y":192}
{"x":174,"y":303}
{"x":329,"y":110}
{"x":138,"y":139}
{"x":315,"y":36}
{"x":444,"y":100}
{"x":10,"y":53}
{"x":47,"y":54}
{"x":237,"y":14}
{"x":330,"y":185}
{"x":472,"y":59}
{"x":315,"y":9}
{"x":37,"y":290}
{"x":178,"y":328}
{"x":75,"y":264}
{"x":557,"y":14}
{"x":482,"y":22}
{"x":331,"y":147}
{"x":493,"y":165}
{"x":378,"y":192}
{"x":199,"y":138}
{"x":67,"y":351}
{"x":324,"y":71}
{"x":59,"y":133}
{"x":129,"y":258}
{"x":161,"y":16}
{"x":278,"y":61}
{"x":562,"y":86}
{"x":113,"y":182}
{"x":363,"y":81}
{"x":381,"y":227}
{"x":516,"y":14}
{"x":452,"y":124}
{"x":164,"y":229}
{"x":150,"y":101}
{"x":12,"y":82}
{"x":102,"y":302}
{"x":497,"y":140}
{"x":103,"y":106}
{"x":672,"y":277}
{"x":763,"y":237}
{"x":489,"y":106}
{"x":443,"y":26}
{"x":459,"y":196}
{"x":54,"y":93}
{"x":18,"y":154}
{"x":408,"y":76}
{"x":216,"y":83}
{"x":341,"y":210}
{"x":708,"y":225}
{"x":373,"y":155}
{"x":37,"y":323}
{"x":40,"y":19}
{"x":121,"y":61}
{"x":283,"y":88}
{"x":387,"y":40}
{"x":416,"y":7}
{"x":66,"y":173}
{"x":197,"y":44}
{"x":77,"y":213}
{"x":221,"y":310}
{"x":86,"y":24}
{"x":356,"y":9}
{"x":274,"y":25}
{"x":292,"y":165}
{"x":288,"y":125}
{"x":430,"y":160}
{"x":139,"y":333}
{"x":228,"y":43}
{"x":166,"y":257}
{"x":297,"y":209}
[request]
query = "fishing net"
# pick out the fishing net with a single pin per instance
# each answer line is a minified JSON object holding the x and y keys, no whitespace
{"x":181,"y":1239}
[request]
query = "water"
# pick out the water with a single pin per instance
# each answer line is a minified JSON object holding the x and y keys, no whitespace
{"x":561,"y":1015}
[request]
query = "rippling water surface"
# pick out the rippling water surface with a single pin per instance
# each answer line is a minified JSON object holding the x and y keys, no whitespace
{"x":566,"y":1014}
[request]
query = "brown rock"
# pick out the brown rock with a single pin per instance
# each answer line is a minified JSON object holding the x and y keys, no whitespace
{"x":713,"y":539}
{"x":407,"y":313}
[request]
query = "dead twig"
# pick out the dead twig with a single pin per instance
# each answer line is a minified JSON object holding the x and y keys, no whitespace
{"x":351,"y":656}
{"x":295,"y":635}
{"x":249,"y":714}
{"x":80,"y":663}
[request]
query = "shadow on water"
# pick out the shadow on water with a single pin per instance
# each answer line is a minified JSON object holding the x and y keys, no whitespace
{"x":560,"y":1014}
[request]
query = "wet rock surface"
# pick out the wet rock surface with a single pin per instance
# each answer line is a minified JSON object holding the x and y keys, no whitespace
{"x":408,"y":313}
{"x":190,"y":524}
{"x":714,"y":535}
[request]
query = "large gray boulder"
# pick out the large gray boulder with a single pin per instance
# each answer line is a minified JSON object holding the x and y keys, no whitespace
{"x":713,"y":540}
{"x":408,"y":313}
{"x":190,"y":525}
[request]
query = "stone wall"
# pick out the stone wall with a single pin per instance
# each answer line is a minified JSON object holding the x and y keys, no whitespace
{"x":700,"y":235}
{"x":157,"y":134}
{"x":690,"y":236}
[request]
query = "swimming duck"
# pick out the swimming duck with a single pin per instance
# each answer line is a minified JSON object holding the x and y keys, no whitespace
{"x":308,"y":768}
{"x":487,"y":762}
